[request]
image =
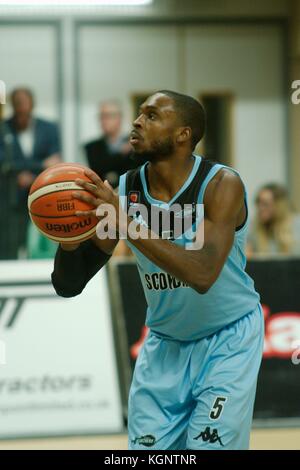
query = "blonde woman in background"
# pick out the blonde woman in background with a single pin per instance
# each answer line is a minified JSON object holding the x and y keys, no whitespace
{"x":276,"y":228}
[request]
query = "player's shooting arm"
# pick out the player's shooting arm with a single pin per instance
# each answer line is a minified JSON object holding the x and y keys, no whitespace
{"x":224,"y":201}
{"x":75,"y":265}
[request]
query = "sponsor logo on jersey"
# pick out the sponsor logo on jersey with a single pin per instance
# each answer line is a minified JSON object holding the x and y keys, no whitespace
{"x":162,"y":281}
{"x":134,"y":197}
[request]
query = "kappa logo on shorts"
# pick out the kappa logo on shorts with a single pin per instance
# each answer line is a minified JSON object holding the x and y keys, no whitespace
{"x":147,"y":441}
{"x":208,"y":436}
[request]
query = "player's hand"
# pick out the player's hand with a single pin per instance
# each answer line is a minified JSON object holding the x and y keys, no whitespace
{"x":101,"y":193}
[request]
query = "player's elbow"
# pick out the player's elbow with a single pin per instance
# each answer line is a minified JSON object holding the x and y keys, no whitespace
{"x":65,"y":291}
{"x":67,"y":294}
{"x":202,"y":288}
{"x":204,"y":281}
{"x":203,"y":285}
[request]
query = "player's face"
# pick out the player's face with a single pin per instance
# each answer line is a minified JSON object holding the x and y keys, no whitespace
{"x":153,"y":133}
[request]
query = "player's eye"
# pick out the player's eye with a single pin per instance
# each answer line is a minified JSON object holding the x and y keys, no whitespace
{"x":152,"y":116}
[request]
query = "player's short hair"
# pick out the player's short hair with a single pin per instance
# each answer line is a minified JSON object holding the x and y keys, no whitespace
{"x":190,"y":112}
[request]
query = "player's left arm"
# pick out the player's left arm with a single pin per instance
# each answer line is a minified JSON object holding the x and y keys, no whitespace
{"x":223,"y":203}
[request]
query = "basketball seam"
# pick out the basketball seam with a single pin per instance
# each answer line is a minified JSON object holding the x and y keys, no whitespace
{"x":53,"y":216}
{"x":38,"y":193}
{"x":39,"y":197}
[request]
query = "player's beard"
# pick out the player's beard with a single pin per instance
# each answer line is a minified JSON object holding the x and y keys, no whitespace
{"x":159,"y":150}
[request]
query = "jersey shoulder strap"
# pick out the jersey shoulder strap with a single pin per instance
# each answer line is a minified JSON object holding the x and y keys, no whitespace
{"x":210,"y":174}
{"x":131,"y":184}
{"x":129,"y":181}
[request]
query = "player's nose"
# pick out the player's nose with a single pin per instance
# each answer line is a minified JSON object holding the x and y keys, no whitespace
{"x":138,"y":123}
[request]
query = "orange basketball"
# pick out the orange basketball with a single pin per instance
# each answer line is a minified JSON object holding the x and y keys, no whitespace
{"x":52,"y":207}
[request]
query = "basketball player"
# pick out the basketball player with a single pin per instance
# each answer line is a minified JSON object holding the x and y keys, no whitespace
{"x":195,"y":378}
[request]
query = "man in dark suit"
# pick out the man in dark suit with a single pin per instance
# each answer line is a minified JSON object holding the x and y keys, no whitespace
{"x":28,"y":145}
{"x":109,"y":156}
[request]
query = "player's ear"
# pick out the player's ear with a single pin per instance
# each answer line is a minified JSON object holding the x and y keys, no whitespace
{"x":184,"y":134}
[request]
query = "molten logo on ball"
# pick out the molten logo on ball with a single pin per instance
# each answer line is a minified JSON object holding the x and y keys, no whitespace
{"x":67,"y":228}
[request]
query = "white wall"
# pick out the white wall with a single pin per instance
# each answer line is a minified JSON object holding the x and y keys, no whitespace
{"x":246,"y":61}
{"x":28,"y":57}
{"x":118,"y":61}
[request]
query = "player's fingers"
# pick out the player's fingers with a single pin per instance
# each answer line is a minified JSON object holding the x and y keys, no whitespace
{"x":86,"y":213}
{"x":92,"y":188}
{"x":93,"y":177}
{"x":106,"y":183}
{"x":90,"y":199}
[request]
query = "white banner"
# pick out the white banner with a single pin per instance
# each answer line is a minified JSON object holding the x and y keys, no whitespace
{"x":58,"y":372}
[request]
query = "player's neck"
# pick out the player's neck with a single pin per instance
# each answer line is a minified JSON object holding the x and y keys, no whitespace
{"x":166,"y":177}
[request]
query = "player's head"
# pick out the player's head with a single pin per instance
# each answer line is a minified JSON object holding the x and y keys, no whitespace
{"x":167,"y":121}
{"x":22,"y":101}
{"x":110,"y":116}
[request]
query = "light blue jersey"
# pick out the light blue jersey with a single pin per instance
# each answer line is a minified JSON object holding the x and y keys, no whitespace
{"x":175,"y":310}
{"x":195,"y":378}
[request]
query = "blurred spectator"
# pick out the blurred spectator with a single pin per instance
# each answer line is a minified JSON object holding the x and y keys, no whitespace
{"x":108,"y":156}
{"x":28,"y":145}
{"x":276,"y":229}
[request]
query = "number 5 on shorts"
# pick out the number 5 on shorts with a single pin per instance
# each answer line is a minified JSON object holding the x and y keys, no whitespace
{"x":217,"y":408}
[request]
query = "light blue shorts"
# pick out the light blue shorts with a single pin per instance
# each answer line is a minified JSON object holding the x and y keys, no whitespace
{"x":199,"y":394}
